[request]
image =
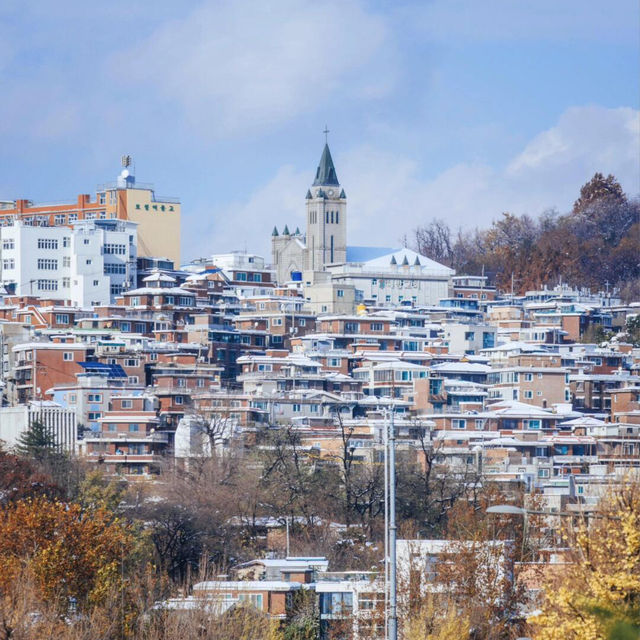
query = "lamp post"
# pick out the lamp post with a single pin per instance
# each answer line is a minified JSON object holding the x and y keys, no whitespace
{"x":509,"y":509}
{"x":391,"y":612}
{"x":393,"y":604}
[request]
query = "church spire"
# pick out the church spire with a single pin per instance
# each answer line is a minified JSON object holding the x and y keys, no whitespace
{"x":326,"y":173}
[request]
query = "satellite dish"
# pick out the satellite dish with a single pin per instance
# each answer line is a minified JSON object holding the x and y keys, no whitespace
{"x":125,"y":173}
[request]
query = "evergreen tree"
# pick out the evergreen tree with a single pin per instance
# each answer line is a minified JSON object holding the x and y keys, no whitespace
{"x":36,"y":442}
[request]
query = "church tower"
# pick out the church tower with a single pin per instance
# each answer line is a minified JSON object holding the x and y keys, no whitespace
{"x":326,"y":217}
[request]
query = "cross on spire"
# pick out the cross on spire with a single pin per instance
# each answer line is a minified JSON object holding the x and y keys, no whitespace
{"x":326,"y":134}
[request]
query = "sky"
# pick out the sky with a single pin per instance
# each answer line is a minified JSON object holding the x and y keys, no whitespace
{"x":449,"y":109}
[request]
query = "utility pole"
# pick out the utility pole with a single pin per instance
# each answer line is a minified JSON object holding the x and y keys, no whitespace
{"x":393,"y":608}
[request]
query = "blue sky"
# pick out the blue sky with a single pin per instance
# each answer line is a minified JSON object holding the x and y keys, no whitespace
{"x":455,"y":109}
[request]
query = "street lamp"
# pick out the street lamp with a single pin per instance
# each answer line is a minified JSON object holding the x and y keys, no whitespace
{"x":509,"y":509}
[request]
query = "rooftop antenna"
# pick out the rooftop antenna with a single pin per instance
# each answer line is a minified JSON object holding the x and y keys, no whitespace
{"x":126,"y":161}
{"x":326,"y":134}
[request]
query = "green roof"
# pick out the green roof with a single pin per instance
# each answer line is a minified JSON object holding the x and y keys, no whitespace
{"x":275,"y":231}
{"x":326,"y":173}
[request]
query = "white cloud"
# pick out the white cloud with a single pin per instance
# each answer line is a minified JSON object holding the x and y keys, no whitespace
{"x":388,"y":197}
{"x":244,"y":66}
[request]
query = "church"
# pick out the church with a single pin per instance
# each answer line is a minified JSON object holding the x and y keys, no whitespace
{"x":346,"y":275}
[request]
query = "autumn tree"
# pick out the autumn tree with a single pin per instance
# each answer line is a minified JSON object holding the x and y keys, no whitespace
{"x":72,"y":555}
{"x":597,"y":596}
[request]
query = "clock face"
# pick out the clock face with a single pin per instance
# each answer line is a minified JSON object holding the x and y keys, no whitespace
{"x":330,"y":192}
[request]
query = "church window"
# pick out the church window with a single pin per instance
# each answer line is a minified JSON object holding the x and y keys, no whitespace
{"x":327,"y":217}
{"x":332,"y":216}
{"x":337,"y":217}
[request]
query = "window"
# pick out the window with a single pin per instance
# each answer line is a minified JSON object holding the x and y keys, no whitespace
{"x":48,"y":264}
{"x":133,"y":380}
{"x":96,"y":283}
{"x":47,"y":243}
{"x":72,"y":398}
{"x":479,"y":423}
{"x":277,"y":322}
{"x":8,"y":243}
{"x":127,"y":404}
{"x":340,"y":293}
{"x":47,"y":285}
{"x":351,"y":327}
{"x":67,"y":356}
{"x":528,"y":394}
{"x":62,"y":318}
{"x":181,"y":382}
{"x":528,"y":377}
{"x":66,"y":241}
{"x":459,"y":423}
{"x":131,"y":362}
{"x":66,"y":283}
{"x":88,"y":261}
{"x":179,"y":400}
{"x":8,"y":263}
{"x":255,"y":599}
{"x":111,"y":248}
{"x":94,"y":415}
{"x":116,"y":289}
{"x":543,"y":473}
{"x":134,"y":426}
{"x":66,"y":261}
{"x":73,"y":217}
{"x":296,"y":408}
{"x":110,"y":268}
{"x":376,"y":326}
{"x":95,"y":397}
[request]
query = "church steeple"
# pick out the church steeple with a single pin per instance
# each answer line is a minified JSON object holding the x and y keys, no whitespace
{"x":326,"y":173}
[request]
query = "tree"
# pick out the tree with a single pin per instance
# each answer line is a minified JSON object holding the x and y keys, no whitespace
{"x":71,"y":555}
{"x":597,"y":596}
{"x":632,"y":330}
{"x":37,"y":442}
{"x":597,"y":189}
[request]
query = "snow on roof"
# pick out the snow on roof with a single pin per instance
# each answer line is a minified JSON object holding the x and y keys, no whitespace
{"x":409,"y":257}
{"x":458,"y":367}
{"x":159,"y":277}
{"x":159,"y":291}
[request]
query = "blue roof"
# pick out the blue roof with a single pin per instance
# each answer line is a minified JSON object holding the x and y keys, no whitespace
{"x":102,"y":369}
{"x":364,"y":254}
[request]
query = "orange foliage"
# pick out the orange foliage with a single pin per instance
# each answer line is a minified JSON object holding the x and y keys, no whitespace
{"x":71,"y":553}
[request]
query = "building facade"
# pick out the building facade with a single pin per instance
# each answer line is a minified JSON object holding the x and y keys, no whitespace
{"x":89,"y":263}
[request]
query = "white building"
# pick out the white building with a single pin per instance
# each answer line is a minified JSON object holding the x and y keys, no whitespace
{"x":61,"y":423}
{"x":88,"y":264}
{"x":391,"y":277}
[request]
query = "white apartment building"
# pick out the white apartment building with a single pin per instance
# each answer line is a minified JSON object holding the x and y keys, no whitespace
{"x":89,"y":264}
